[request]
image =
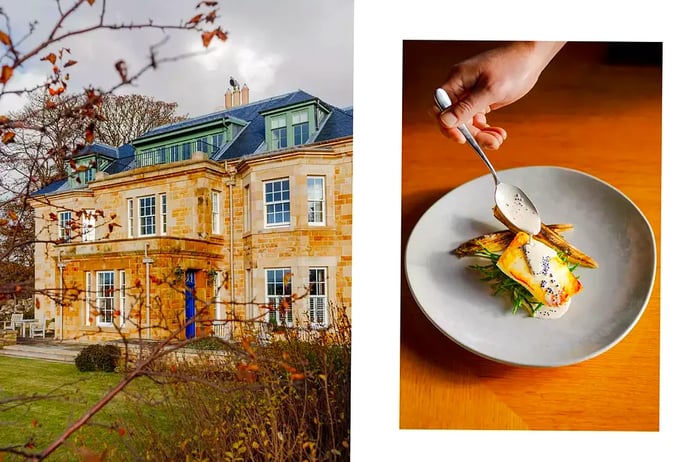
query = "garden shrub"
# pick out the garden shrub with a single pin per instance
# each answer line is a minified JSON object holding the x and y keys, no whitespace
{"x":103,"y":358}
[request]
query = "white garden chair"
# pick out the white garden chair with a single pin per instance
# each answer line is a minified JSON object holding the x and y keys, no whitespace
{"x":38,"y":329}
{"x":14,"y":322}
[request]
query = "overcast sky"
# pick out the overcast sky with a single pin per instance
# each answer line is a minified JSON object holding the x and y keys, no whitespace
{"x":273,"y":46}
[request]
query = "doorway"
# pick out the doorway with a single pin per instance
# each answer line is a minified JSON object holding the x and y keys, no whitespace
{"x":190,"y":328}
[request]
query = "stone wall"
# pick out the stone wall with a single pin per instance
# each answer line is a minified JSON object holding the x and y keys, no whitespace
{"x":8,"y":337}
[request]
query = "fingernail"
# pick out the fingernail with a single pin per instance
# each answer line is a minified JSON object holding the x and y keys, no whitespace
{"x":448,"y":119}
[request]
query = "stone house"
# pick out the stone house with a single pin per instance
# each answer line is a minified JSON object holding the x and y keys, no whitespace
{"x":244,"y":214}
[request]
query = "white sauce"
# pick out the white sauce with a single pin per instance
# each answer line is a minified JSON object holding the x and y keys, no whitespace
{"x":552,"y":312}
{"x":517,"y":210}
{"x":538,"y":256}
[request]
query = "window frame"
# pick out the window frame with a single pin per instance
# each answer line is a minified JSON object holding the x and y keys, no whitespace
{"x":315,"y":297}
{"x":100,"y":286}
{"x":273,"y":203}
{"x":64,"y":225}
{"x":302,"y":122}
{"x":275,"y":300}
{"x":122,"y":296}
{"x":279,"y":139}
{"x":163,"y":212}
{"x":141,"y":216}
{"x":247,"y":209}
{"x":130,"y":217}
{"x":88,"y":222}
{"x":310,"y":201}
{"x":88,"y":298}
{"x":215,"y":212}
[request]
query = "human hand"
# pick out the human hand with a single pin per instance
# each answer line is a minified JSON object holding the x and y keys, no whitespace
{"x":488,"y":81}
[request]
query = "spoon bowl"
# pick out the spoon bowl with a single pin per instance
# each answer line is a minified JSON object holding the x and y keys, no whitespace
{"x":512,"y":201}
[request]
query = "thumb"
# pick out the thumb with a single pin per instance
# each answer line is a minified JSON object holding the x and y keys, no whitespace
{"x":465,"y":109}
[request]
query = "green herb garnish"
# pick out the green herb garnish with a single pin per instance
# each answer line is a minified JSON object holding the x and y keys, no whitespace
{"x":502,"y":284}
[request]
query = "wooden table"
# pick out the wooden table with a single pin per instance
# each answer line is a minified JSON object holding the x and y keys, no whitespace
{"x":584,"y":114}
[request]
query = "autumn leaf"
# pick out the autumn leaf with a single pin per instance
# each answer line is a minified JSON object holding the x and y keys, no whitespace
{"x":120,"y":66}
{"x":8,"y":137}
{"x":50,"y":105}
{"x":6,"y":73}
{"x":91,"y":2}
{"x":287,"y":367}
{"x":82,"y":168}
{"x":56,"y":91}
{"x":72,"y":164}
{"x":12,"y":215}
{"x":5,"y":39}
{"x":195,"y":19}
{"x":211,"y":17}
{"x":206,"y":38}
{"x":4,"y":119}
{"x":53,"y":216}
{"x":221,"y":35}
{"x":70,"y":63}
{"x":212,"y":4}
{"x":113,"y":215}
{"x":297,"y":376}
{"x":3,"y":221}
{"x":51,"y":57}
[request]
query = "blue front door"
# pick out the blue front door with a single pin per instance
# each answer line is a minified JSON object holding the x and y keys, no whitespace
{"x":190,"y":329}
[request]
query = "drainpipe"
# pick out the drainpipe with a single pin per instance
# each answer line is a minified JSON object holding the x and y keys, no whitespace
{"x":61,"y":265}
{"x":232,"y":292}
{"x":147,"y":261}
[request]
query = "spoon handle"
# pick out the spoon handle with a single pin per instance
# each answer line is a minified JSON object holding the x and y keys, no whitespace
{"x":443,"y":102}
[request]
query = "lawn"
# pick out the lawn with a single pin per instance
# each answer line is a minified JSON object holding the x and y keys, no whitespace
{"x":57,"y":395}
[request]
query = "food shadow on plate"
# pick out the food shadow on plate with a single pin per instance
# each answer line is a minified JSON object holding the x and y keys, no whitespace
{"x":470,"y":228}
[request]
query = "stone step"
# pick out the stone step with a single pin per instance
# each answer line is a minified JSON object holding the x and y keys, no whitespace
{"x":39,"y":352}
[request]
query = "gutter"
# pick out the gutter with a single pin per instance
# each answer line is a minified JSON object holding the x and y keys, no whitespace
{"x":231,"y":183}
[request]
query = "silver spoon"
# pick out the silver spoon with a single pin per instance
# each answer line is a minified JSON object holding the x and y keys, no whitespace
{"x":512,"y":201}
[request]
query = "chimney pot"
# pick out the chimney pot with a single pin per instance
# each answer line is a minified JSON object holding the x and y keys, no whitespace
{"x":245,"y":94}
{"x":228,"y":101}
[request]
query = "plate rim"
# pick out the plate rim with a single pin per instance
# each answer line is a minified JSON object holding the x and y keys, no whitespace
{"x":591,"y":355}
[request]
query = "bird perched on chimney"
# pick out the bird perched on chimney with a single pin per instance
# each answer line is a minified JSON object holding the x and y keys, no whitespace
{"x":233,"y":82}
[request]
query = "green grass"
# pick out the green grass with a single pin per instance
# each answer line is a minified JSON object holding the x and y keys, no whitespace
{"x":63,"y":394}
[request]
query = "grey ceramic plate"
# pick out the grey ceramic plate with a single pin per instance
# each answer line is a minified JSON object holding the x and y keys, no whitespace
{"x":607,"y":226}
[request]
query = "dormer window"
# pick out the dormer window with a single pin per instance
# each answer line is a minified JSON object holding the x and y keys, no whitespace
{"x":300,"y":126}
{"x":278,"y":129}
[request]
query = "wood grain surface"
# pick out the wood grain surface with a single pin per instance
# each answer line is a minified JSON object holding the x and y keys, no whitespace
{"x":594,"y":110}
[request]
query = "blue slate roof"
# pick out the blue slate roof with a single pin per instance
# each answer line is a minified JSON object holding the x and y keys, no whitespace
{"x":56,"y":186}
{"x":104,"y":150}
{"x":251,"y":138}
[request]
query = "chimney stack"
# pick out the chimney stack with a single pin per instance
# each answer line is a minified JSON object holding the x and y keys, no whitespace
{"x":235,"y":95}
{"x":245,"y":94}
{"x":228,"y":99}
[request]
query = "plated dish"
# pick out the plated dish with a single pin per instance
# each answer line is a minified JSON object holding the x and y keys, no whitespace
{"x":610,"y":228}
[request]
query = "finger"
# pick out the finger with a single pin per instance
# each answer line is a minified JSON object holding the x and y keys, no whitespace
{"x":466,"y":108}
{"x":487,"y":136}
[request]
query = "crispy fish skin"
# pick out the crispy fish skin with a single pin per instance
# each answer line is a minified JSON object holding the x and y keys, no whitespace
{"x":551,"y":238}
{"x":498,"y":241}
